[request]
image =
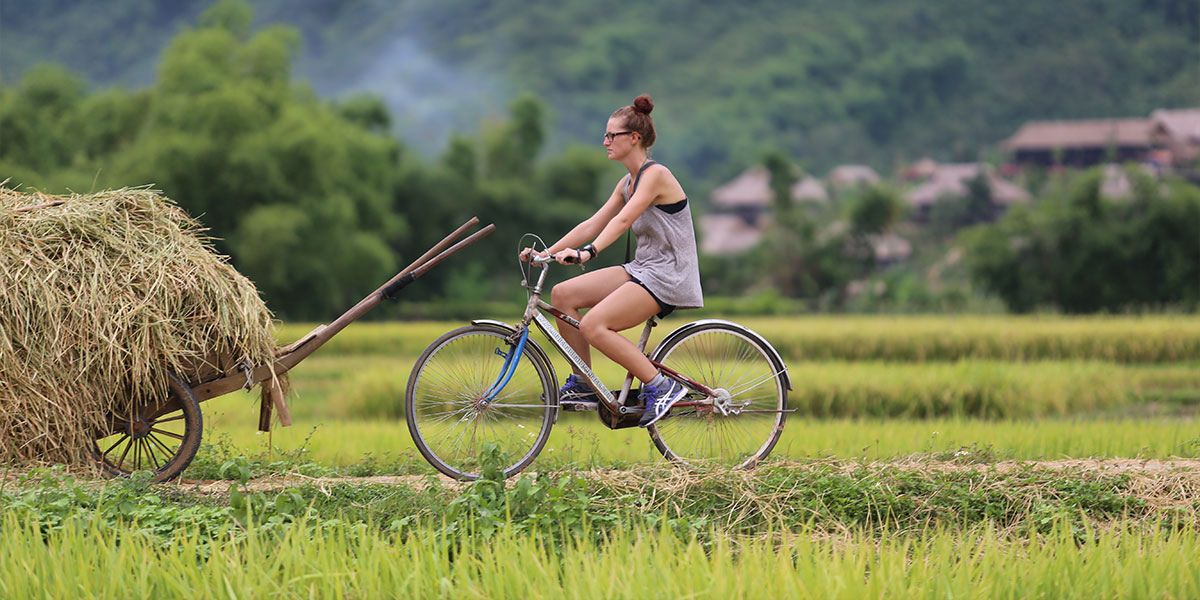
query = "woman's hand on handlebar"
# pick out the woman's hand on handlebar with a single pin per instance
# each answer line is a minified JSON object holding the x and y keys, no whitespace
{"x":571,"y":256}
{"x":528,"y":254}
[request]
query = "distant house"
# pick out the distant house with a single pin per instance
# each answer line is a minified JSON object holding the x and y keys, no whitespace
{"x":1116,"y":182}
{"x":887,"y":248}
{"x":1178,"y":132}
{"x":741,"y":208}
{"x":752,"y":189}
{"x":951,"y":181}
{"x":809,"y":189}
{"x":890,"y":248}
{"x":1081,"y":143}
{"x":919,"y":171}
{"x":725,"y":234}
{"x":847,"y":176}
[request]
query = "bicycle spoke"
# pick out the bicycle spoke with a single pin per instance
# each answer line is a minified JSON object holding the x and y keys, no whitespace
{"x":720,"y":356}
{"x":448,"y":421}
{"x":753,"y":384}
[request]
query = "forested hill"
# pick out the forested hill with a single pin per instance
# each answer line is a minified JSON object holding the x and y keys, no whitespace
{"x":828,"y":81}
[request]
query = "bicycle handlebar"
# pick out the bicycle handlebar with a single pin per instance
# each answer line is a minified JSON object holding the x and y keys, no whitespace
{"x":551,"y":259}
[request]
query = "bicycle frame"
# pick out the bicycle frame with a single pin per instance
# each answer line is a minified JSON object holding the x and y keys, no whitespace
{"x":534,"y":314}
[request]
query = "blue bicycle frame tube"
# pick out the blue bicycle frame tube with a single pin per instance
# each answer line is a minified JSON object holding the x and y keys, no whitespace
{"x":510,"y":367}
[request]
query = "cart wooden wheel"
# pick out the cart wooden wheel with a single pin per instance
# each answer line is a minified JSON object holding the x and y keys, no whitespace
{"x":162,"y":438}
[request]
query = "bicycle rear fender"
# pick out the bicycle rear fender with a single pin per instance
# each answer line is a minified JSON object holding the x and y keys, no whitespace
{"x":776,"y":359}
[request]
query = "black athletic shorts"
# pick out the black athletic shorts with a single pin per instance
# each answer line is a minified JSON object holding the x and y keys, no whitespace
{"x":664,"y":308}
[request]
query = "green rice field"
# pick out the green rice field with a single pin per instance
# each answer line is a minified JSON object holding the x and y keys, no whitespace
{"x":863,"y":388}
{"x":926,"y":457}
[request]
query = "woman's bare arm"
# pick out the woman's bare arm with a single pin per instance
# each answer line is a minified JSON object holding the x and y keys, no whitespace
{"x":591,"y":227}
{"x":647,"y":193}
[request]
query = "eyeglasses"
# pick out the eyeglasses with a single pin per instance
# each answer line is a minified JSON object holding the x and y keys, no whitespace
{"x":612,"y":135}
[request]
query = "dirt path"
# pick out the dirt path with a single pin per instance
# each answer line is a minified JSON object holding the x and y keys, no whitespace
{"x":1187,"y":469}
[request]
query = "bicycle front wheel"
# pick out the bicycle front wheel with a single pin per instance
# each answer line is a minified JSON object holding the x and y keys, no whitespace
{"x":740,"y":426}
{"x":452,"y":420}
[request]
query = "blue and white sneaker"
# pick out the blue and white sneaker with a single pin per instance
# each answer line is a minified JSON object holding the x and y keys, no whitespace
{"x":576,"y":390}
{"x":659,"y":399}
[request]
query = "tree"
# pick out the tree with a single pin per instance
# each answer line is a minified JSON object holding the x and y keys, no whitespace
{"x":511,"y":149}
{"x":36,"y":118}
{"x":1079,"y":252}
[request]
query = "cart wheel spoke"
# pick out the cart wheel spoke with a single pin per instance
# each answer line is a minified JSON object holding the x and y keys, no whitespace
{"x":124,"y":436}
{"x":153,"y":440}
{"x":121,"y":461}
{"x":152,"y":459}
{"x":166,"y":433}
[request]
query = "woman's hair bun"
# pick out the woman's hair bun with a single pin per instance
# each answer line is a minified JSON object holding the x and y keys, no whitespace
{"x":643,"y":104}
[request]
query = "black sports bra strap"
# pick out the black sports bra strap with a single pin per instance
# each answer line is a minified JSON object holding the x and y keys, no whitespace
{"x":645,"y":165}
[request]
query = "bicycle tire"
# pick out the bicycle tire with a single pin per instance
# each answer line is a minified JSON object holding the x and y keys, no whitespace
{"x":728,"y":357}
{"x":443,"y":402}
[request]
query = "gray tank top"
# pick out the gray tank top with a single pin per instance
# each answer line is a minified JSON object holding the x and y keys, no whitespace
{"x":665,"y":261}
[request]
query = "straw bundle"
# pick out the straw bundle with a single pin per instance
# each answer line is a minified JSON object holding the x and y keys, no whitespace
{"x":102,"y":296}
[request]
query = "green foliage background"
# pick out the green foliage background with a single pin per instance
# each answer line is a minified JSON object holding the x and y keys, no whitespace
{"x":319,"y":200}
{"x":825,"y":81}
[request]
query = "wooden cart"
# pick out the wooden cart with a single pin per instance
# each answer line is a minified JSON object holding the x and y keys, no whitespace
{"x":163,"y":437}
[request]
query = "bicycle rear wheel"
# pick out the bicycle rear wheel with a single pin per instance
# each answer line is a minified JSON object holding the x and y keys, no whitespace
{"x":742,"y":426}
{"x":449,"y":416}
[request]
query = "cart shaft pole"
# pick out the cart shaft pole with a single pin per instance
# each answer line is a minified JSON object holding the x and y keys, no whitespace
{"x":374,"y":298}
{"x":306,"y":347}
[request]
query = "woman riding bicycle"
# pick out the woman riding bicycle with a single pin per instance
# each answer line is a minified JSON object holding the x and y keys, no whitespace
{"x":665,"y":274}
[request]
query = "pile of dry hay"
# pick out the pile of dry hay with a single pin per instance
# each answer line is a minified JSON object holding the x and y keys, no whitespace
{"x":102,"y":295}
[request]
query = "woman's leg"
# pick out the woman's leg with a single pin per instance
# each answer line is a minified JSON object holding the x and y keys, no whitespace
{"x":584,"y":291}
{"x":626,"y":307}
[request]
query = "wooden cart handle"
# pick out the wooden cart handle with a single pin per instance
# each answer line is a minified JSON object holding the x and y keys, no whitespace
{"x":302,"y":348}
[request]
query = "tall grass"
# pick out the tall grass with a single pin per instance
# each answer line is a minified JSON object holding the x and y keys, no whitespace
{"x":338,"y":560}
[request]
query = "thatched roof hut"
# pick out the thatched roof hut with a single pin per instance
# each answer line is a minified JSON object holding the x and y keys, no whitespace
{"x":950,"y":181}
{"x":725,"y":234}
{"x":844,"y":176}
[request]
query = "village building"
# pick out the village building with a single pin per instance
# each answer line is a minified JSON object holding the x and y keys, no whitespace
{"x":727,"y":234}
{"x":1177,"y":132}
{"x":1081,"y":143}
{"x":919,"y":171}
{"x":848,"y":176}
{"x":1168,"y":138}
{"x":741,"y":210}
{"x":1117,"y":181}
{"x":890,"y":248}
{"x":951,"y":181}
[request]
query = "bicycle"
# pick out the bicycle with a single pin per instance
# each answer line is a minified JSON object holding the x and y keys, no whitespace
{"x":472,"y":386}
